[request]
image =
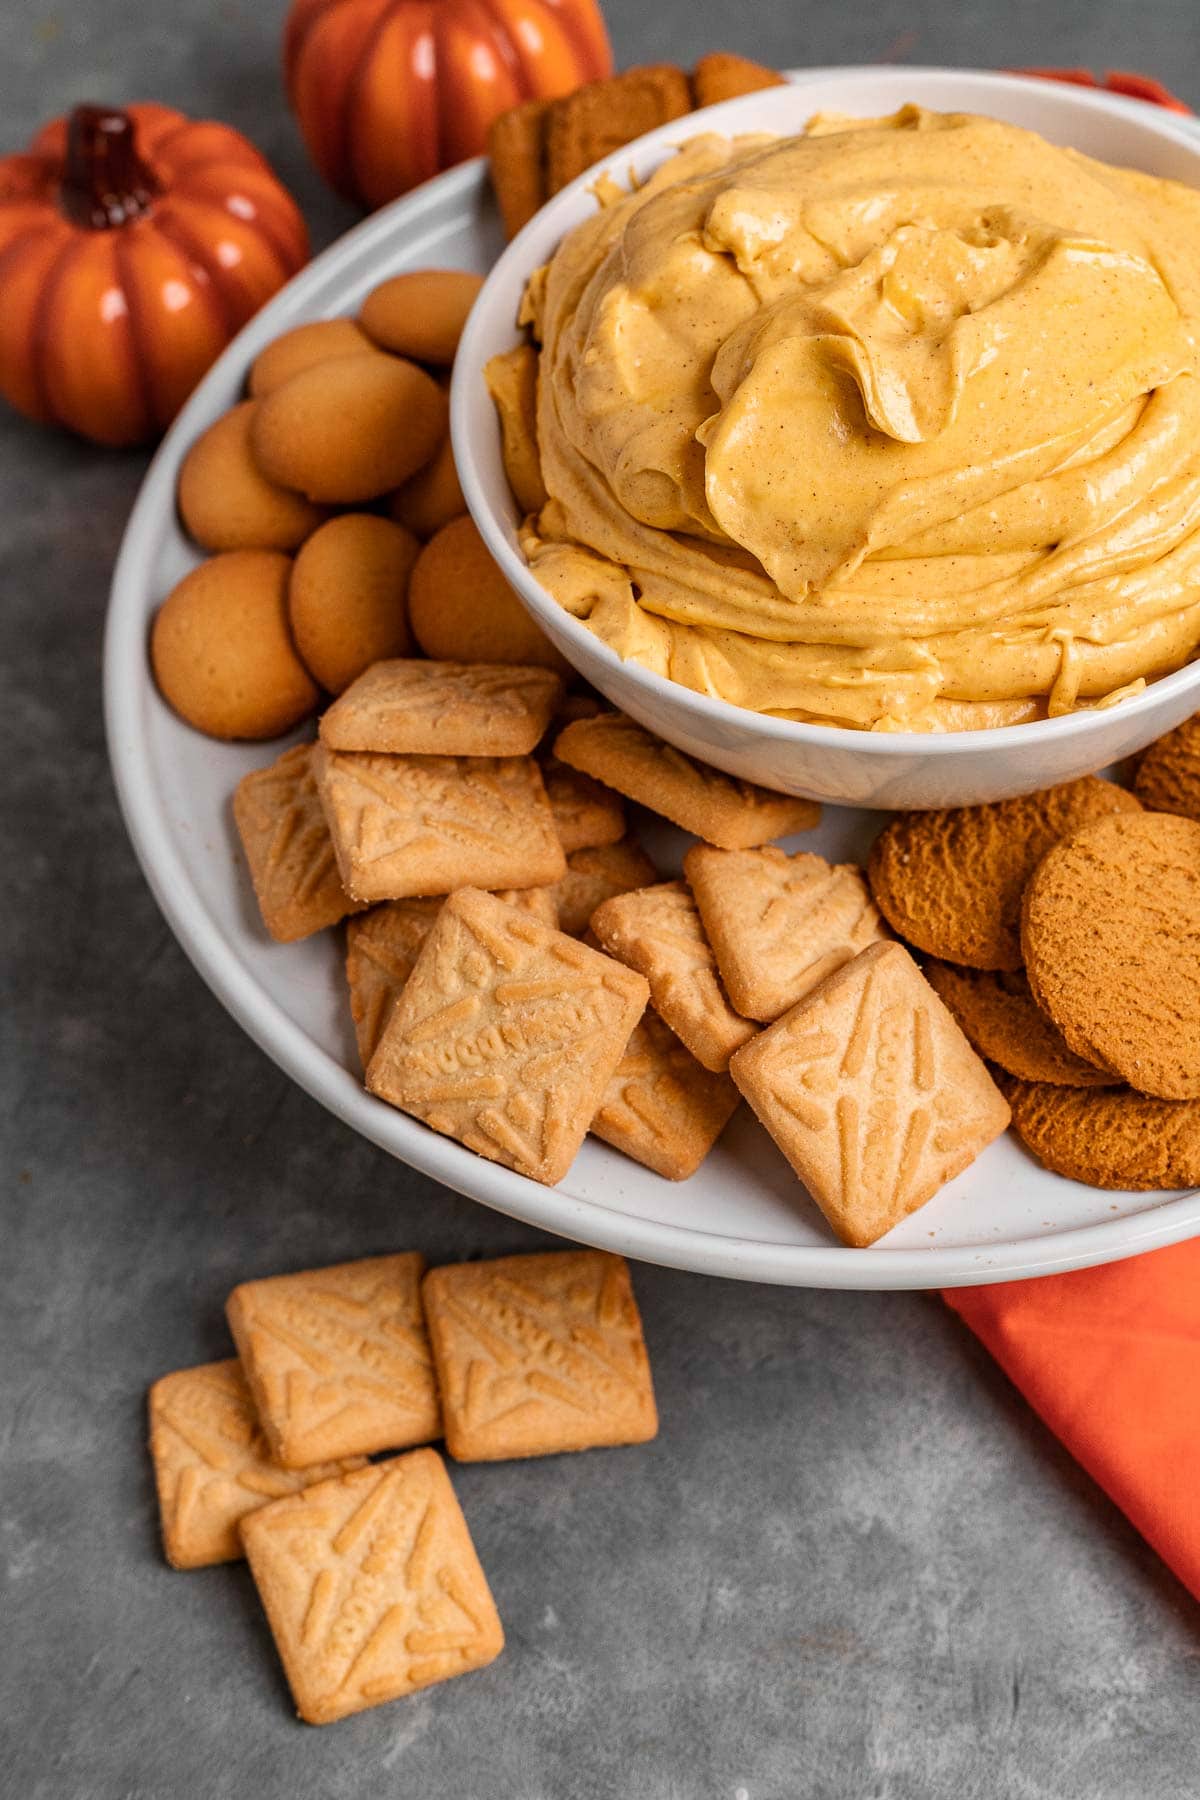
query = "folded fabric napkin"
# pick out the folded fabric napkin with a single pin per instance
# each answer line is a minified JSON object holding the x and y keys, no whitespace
{"x":1117,"y":81}
{"x":1110,"y":1358}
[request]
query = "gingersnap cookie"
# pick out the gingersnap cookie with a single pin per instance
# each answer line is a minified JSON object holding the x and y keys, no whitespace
{"x":302,"y":348}
{"x":951,"y":881}
{"x":1168,"y":776}
{"x":227,"y":503}
{"x":421,"y":313}
{"x":1001,"y":1020}
{"x":517,"y":160}
{"x":431,"y":497}
{"x":601,"y":116}
{"x":348,"y":597}
{"x":351,"y":428}
{"x":222,"y":652}
{"x":462,"y":609}
{"x":1114,"y":1139}
{"x":1111,"y":932}
{"x":512,"y":383}
{"x":723,"y":76}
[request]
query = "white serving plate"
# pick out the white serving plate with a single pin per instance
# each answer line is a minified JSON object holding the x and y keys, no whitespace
{"x":743,"y":1214}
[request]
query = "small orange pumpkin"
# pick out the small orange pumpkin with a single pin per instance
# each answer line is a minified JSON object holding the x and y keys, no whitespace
{"x":388,"y":92}
{"x":133,"y":245}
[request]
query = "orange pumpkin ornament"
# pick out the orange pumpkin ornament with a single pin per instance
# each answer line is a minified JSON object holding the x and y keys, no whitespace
{"x":133,"y":245}
{"x":389,"y":92}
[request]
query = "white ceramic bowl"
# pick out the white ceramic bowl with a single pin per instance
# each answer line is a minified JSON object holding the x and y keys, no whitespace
{"x":858,"y":768}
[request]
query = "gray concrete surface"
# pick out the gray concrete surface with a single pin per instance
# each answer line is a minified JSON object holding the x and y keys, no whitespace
{"x":852,"y":1568}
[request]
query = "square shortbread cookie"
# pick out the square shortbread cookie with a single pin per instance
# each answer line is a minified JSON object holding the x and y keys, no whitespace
{"x":537,"y":1354}
{"x":372,"y":1587}
{"x":662,"y":1107}
{"x":872,"y":1093}
{"x":338,"y":1359}
{"x":288,"y":849}
{"x":212,"y":1463}
{"x":505,"y":1035}
{"x":420,"y":708}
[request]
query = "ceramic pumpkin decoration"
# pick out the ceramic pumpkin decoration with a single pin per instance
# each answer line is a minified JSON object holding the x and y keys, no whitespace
{"x":388,"y":92}
{"x":133,"y":245}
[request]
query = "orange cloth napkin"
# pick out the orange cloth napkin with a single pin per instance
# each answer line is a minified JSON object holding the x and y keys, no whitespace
{"x":1110,"y":1358}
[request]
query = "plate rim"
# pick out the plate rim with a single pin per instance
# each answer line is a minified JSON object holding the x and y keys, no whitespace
{"x":674,"y":1245}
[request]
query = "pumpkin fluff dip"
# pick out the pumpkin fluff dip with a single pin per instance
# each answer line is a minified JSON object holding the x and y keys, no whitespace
{"x":892,"y":425}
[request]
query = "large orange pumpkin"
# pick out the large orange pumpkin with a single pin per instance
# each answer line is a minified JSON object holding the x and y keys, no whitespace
{"x":133,"y":245}
{"x":390,"y":91}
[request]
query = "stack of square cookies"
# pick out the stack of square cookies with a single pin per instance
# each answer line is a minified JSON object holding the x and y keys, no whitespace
{"x":367,"y":1570}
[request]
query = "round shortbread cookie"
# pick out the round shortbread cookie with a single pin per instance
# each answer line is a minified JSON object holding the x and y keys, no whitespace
{"x":351,"y":428}
{"x":999,"y":1016}
{"x":347,"y":597}
{"x":301,"y":348}
{"x":951,"y":882}
{"x":1168,"y":776}
{"x":227,"y":503}
{"x":421,"y":313}
{"x":221,"y":649}
{"x":1111,"y":932}
{"x":1110,"y":1139}
{"x":461,"y":608}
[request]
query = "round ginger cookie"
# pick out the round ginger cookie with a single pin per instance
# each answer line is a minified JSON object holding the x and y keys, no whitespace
{"x":951,"y":882}
{"x":421,"y":313}
{"x":301,"y":348}
{"x":1113,"y":1139}
{"x":1111,"y":931}
{"x":222,"y":653}
{"x":347,"y":597}
{"x":432,"y":497}
{"x":227,"y":503}
{"x":351,"y":428}
{"x":1000,"y":1018}
{"x":461,"y":608}
{"x":1168,"y":775}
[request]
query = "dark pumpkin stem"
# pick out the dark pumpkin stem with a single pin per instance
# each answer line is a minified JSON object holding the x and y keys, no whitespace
{"x":105,"y":183}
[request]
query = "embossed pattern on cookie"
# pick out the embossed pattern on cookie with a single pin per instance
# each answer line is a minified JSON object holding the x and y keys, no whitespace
{"x":372,"y":1587}
{"x":586,"y":814}
{"x":598,"y":874}
{"x":414,"y":707}
{"x":537,"y":1354}
{"x":872,"y":1093}
{"x":721,"y":809}
{"x":779,"y":924}
{"x":506,"y":1034}
{"x":212,"y":1463}
{"x":657,"y":931}
{"x":421,"y":825}
{"x":338,"y":1358}
{"x":383,"y":945}
{"x":291,"y":859}
{"x":662,"y":1107}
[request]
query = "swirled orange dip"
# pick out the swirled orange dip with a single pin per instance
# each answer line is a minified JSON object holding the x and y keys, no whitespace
{"x":894,"y":425}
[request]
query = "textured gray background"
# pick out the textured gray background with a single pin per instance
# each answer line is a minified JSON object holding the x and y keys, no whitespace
{"x":853,"y":1567}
